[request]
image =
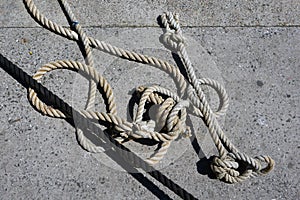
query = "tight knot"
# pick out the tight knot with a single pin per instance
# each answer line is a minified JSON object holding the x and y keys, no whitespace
{"x":229,"y":170}
{"x":173,"y":41}
{"x":232,"y":169}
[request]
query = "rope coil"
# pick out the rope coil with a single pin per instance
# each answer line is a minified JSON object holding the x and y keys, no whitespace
{"x":171,"y":109}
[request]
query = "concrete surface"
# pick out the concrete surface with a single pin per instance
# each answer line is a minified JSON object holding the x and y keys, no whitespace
{"x":252,"y":47}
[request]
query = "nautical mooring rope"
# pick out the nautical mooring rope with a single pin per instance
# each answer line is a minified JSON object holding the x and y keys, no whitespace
{"x":124,"y":155}
{"x":170,"y":120}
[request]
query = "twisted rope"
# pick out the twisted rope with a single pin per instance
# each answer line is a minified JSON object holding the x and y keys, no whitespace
{"x":227,"y":164}
{"x":109,"y":142}
{"x":170,"y":119}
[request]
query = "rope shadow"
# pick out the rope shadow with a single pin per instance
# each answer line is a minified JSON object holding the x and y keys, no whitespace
{"x":116,"y":151}
{"x":203,"y":165}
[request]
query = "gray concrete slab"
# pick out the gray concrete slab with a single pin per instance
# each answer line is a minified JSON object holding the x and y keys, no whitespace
{"x":259,"y":67}
{"x":143,"y":13}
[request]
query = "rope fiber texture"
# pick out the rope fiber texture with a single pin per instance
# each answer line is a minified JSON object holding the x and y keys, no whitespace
{"x":169,"y":122}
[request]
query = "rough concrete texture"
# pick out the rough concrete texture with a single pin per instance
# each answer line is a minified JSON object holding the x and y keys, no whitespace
{"x":143,"y":13}
{"x":252,"y":47}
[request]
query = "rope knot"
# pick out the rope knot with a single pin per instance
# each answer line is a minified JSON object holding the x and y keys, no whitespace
{"x":143,"y":128}
{"x":173,"y":41}
{"x":233,"y":170}
{"x":168,"y":111}
{"x":228,"y":169}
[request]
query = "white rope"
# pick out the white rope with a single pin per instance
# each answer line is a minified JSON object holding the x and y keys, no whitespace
{"x":169,"y":121}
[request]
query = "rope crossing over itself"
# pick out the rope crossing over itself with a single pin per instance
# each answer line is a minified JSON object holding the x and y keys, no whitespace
{"x":172,"y":108}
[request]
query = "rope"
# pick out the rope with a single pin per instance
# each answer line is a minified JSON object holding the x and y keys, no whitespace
{"x":127,"y":156}
{"x":169,"y":122}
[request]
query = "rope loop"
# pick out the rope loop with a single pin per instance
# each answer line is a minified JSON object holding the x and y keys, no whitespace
{"x":228,"y":169}
{"x":268,"y":161}
{"x":233,"y":170}
{"x":161,"y":114}
{"x":172,"y":38}
{"x":171,"y":22}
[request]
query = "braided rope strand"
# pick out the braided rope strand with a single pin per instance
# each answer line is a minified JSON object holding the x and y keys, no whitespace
{"x":28,"y":82}
{"x":174,"y":40}
{"x":169,"y":122}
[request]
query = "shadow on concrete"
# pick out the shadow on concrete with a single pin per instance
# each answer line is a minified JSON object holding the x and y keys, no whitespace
{"x":203,"y":165}
{"x":116,"y":151}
